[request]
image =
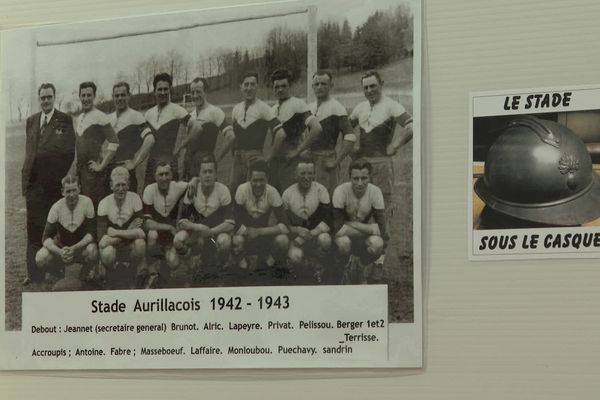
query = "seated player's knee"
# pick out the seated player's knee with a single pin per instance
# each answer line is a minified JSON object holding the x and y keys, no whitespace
{"x":180,"y":239}
{"x":108,"y":255}
{"x":230,"y":135}
{"x":375,"y":245}
{"x":344,"y":245}
{"x":281,"y":243}
{"x":43,"y":257}
{"x":280,"y":134}
{"x":280,"y":246}
{"x":104,"y":242}
{"x":223,"y":242}
{"x":172,"y":258}
{"x":237,"y":244}
{"x":152,"y":237}
{"x":90,"y":254}
{"x":295,"y":255}
{"x":324,"y":241}
{"x":138,"y":249}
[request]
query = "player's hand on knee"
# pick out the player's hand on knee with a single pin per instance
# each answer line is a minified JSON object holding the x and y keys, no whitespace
{"x":136,"y":223}
{"x":66,"y":255}
{"x":184,"y":224}
{"x":343,"y":231}
{"x":375,"y":230}
{"x":67,"y":258}
{"x":69,"y":251}
{"x":108,"y":241}
{"x":251,"y":233}
{"x":304,"y":233}
{"x":206,"y":233}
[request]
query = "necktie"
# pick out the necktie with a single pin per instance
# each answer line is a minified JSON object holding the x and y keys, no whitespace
{"x":45,"y":123}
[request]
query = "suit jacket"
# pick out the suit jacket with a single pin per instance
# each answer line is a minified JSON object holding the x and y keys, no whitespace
{"x":48,"y":154}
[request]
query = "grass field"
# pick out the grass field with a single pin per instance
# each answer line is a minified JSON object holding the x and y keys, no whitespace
{"x":399,"y":256}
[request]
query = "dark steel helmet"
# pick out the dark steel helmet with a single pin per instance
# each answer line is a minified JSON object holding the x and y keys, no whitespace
{"x":540,"y":171}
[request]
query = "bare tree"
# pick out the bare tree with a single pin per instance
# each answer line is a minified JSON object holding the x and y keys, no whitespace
{"x":23,"y":106}
{"x":201,"y":65}
{"x":224,"y":60}
{"x":215,"y":62}
{"x":258,"y":62}
{"x":210,"y":66}
{"x":174,"y":64}
{"x":17,"y":101}
{"x":185,"y":71}
{"x":137,"y":77}
{"x":100,"y":95}
{"x":151,"y":67}
{"x":59,"y":101}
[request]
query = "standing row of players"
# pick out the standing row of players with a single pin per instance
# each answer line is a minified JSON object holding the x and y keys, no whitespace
{"x":197,"y":227}
{"x":296,"y":128}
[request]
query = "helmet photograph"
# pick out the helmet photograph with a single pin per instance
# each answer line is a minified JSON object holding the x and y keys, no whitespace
{"x":536,"y":173}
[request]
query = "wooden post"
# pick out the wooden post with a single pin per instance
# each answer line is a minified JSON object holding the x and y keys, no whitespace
{"x":311,"y":59}
{"x":33,"y":97}
{"x":256,"y":16}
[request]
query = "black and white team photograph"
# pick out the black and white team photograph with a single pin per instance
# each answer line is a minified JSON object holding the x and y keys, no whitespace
{"x":198,"y":150}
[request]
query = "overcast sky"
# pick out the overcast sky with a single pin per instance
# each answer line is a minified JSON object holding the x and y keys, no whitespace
{"x":101,"y":61}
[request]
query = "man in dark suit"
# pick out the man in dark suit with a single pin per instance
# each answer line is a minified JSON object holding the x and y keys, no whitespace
{"x":49,"y":152}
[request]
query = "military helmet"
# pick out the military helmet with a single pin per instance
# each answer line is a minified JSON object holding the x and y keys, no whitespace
{"x":540,"y":171}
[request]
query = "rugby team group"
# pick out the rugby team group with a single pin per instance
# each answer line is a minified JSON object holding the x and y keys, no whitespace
{"x":284,"y":216}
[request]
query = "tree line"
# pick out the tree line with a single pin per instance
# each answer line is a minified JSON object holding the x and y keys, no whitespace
{"x":385,"y":36}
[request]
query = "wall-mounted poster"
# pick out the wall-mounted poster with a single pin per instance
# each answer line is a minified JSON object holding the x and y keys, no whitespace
{"x":534,"y":184}
{"x":223,"y":188}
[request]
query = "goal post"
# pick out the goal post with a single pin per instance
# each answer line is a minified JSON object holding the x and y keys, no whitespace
{"x":309,"y":11}
{"x":311,"y":48}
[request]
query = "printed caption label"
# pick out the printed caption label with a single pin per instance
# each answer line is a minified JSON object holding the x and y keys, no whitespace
{"x":207,"y":328}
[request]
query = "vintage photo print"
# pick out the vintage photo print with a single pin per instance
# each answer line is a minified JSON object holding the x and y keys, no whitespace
{"x":534,"y":184}
{"x":233,"y":187}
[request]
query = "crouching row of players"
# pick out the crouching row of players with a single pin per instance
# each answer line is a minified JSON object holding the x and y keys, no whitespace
{"x":182,"y":234}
